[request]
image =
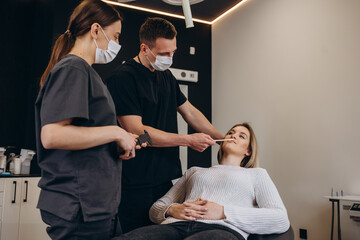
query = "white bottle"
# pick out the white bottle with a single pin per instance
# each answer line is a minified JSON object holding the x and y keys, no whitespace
{"x":25,"y":166}
{"x":2,"y":160}
{"x":26,"y":155}
{"x":11,"y":166}
{"x":17,"y":165}
{"x":2,"y":164}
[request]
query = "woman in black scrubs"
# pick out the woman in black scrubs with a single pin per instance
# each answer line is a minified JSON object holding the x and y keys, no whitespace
{"x":76,"y":129}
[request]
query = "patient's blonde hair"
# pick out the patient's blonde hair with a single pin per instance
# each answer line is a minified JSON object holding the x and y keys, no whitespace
{"x":249,"y":161}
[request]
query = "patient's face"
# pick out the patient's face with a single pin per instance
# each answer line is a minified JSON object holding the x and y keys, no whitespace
{"x":240,"y":144}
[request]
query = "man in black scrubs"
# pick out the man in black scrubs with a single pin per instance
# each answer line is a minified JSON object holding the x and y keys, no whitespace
{"x":147,"y":97}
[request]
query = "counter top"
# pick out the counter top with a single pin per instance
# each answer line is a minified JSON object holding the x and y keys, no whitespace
{"x":346,"y":198}
{"x":19,"y":175}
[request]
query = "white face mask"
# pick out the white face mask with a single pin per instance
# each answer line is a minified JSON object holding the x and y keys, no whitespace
{"x":106,"y":56}
{"x":161,"y":63}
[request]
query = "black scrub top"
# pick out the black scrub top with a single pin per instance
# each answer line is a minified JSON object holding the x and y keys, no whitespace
{"x":84,"y":180}
{"x":155,"y":97}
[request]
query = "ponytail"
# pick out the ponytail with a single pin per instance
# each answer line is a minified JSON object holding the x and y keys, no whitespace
{"x":83,"y":16}
{"x":62,"y":47}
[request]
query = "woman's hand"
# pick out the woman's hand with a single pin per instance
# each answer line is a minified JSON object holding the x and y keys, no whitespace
{"x":188,"y":211}
{"x":214,"y":211}
{"x":203,"y":209}
{"x":127,"y":143}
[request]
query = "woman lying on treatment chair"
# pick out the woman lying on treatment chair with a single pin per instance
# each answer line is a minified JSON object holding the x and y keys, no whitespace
{"x":228,"y":201}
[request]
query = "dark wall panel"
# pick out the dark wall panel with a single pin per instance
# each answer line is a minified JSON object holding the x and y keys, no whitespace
{"x":32,"y":27}
{"x":198,"y":37}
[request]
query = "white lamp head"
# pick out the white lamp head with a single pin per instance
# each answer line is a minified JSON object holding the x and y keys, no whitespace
{"x":179,"y":2}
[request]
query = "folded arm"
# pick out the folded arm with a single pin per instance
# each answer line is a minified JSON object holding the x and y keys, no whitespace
{"x":270,"y":216}
{"x":176,"y":195}
{"x":172,"y":203}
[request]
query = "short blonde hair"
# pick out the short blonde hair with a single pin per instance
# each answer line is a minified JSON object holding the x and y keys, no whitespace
{"x":249,"y":161}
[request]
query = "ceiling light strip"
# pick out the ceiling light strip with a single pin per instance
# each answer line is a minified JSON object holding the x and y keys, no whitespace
{"x":154,"y":11}
{"x":229,"y":11}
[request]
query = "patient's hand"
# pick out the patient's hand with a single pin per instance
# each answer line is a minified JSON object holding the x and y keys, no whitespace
{"x":188,"y":211}
{"x":213,"y":211}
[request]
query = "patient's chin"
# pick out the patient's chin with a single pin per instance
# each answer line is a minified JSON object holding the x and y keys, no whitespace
{"x":231,"y":148}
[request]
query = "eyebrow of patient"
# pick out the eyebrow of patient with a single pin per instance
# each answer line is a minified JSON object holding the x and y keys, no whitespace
{"x":244,"y":134}
{"x":233,"y":131}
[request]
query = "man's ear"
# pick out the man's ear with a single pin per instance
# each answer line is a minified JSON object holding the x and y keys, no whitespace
{"x":143,"y":47}
{"x":94,"y":30}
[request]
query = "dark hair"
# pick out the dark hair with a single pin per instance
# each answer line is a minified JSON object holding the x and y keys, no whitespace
{"x":154,"y":28}
{"x":84,"y":15}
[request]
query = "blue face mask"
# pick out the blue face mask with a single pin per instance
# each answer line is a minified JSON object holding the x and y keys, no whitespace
{"x":161,"y":63}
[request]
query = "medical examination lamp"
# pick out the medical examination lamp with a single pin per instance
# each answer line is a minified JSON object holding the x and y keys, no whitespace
{"x":185,"y":6}
{"x":186,"y":9}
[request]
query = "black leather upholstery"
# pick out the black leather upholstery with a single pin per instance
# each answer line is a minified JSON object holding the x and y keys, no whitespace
{"x":288,"y":235}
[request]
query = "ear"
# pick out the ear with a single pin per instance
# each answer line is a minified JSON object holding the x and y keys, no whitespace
{"x":248,"y":153}
{"x":143,"y":49}
{"x":94,"y":30}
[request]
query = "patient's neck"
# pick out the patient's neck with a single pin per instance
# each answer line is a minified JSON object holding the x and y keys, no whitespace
{"x":231,"y":160}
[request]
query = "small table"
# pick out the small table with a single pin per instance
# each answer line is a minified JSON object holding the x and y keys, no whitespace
{"x":337,"y":199}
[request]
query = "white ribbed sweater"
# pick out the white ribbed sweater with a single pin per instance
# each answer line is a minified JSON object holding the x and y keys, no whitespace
{"x":251,"y":201}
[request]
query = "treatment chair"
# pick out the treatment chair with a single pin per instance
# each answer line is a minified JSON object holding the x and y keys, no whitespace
{"x":288,"y":235}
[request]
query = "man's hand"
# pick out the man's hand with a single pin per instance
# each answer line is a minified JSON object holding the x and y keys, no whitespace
{"x":200,"y":141}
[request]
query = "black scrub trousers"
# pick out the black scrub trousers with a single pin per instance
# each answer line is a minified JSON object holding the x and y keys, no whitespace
{"x":155,"y":97}
{"x":80,"y":190}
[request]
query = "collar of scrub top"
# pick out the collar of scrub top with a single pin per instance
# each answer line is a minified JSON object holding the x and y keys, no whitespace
{"x":144,"y":138}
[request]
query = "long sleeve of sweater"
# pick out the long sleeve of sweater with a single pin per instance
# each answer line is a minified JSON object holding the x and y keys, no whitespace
{"x":176,"y":195}
{"x":269,"y":217}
